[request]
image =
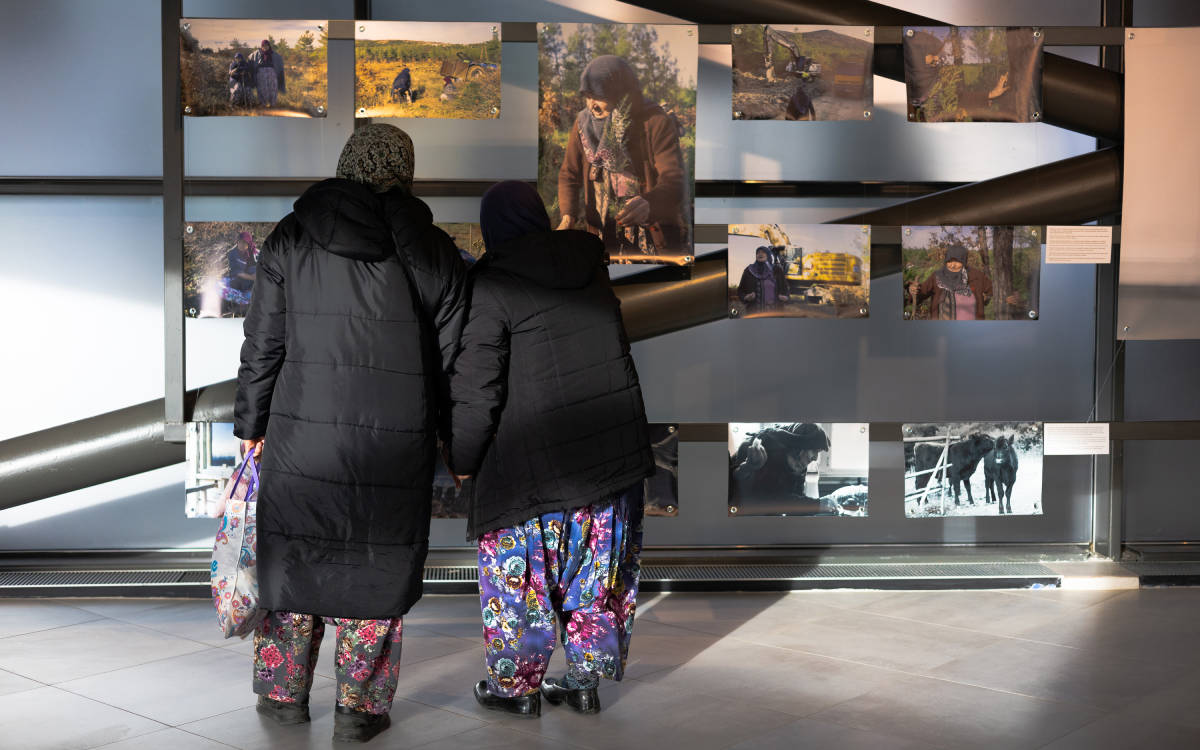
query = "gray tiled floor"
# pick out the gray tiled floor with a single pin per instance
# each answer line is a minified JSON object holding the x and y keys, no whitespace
{"x":838,"y":669}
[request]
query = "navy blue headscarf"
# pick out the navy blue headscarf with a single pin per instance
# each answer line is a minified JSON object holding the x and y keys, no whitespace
{"x":510,"y":210}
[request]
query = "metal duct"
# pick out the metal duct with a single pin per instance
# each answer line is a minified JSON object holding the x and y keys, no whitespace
{"x":130,"y":441}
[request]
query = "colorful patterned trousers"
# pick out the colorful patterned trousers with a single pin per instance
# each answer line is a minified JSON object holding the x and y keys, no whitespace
{"x":367,"y":660}
{"x":577,"y":569}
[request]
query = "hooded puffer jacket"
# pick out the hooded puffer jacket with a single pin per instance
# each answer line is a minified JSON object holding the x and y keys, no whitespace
{"x":356,"y":314}
{"x":548,"y":412}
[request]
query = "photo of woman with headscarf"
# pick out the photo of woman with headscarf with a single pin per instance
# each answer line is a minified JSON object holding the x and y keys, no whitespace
{"x":220,"y":266}
{"x":268,"y":74}
{"x":240,"y":81}
{"x":612,"y":161}
{"x":764,"y":284}
{"x":971,"y":272}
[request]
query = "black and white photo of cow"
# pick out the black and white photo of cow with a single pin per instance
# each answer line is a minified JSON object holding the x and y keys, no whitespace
{"x":941,"y":459}
{"x":1000,"y":474}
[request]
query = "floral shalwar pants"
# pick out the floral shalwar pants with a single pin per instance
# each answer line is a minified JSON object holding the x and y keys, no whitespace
{"x":367,"y":661}
{"x":577,"y":569}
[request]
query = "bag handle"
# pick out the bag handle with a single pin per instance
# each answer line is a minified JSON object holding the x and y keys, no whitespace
{"x":248,"y":461}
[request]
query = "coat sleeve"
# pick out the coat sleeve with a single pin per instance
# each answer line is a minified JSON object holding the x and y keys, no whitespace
{"x":279,"y":70}
{"x":666,"y":197}
{"x":925,"y":291}
{"x":263,"y":350}
{"x":479,"y":383}
{"x":746,"y":285}
{"x":570,"y":177}
{"x":440,"y":286}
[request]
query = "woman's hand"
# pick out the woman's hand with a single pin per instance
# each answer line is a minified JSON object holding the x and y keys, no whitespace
{"x":913,"y":288}
{"x":566,"y":222}
{"x":636,"y":212}
{"x":750,"y":297}
{"x":255,"y":446}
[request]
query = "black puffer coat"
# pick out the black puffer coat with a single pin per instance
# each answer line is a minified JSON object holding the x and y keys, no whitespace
{"x":356,"y":314}
{"x":547,"y":412}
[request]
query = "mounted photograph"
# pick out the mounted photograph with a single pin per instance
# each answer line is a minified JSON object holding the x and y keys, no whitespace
{"x":799,"y":271}
{"x":972,"y":469}
{"x":420,"y":69}
{"x":212,"y":455}
{"x":802,"y":72}
{"x":617,"y":135}
{"x":249,"y":67}
{"x":973,"y":73}
{"x":798,"y":469}
{"x":971,"y":272}
{"x":662,"y":487}
{"x":220,"y":263}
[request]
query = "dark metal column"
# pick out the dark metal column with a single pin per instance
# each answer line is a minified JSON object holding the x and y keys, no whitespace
{"x":1108,"y":472}
{"x":174,"y":347}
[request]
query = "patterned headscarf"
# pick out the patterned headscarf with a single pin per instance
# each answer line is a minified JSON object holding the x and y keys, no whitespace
{"x":378,"y":155}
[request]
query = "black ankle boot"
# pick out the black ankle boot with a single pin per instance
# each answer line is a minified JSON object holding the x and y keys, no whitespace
{"x":583,"y":700}
{"x":283,"y":713}
{"x":357,"y":726}
{"x":529,"y":706}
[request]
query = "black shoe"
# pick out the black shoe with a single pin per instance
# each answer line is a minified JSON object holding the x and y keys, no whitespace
{"x":529,"y":706}
{"x":357,"y":726}
{"x":283,"y":713}
{"x":583,"y":700}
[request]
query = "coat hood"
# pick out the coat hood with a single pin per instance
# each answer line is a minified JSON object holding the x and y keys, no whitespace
{"x":566,"y":259}
{"x":345,"y":218}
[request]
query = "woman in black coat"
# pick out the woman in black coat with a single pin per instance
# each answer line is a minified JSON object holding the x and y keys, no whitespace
{"x":356,"y":314}
{"x":548,"y":420}
{"x":763,"y":285}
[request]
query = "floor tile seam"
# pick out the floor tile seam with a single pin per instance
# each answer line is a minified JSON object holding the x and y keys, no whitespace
{"x":96,"y":618}
{"x":165,"y":725}
{"x":447,"y":709}
{"x":132,"y":666}
{"x":447,"y":737}
{"x":926,"y":675}
{"x":161,"y":724}
{"x":165,"y":729}
{"x":40,"y":683}
{"x":833,"y":720}
{"x":168,"y":603}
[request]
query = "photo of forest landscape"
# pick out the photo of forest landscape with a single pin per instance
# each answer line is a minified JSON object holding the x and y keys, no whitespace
{"x":224,"y":71}
{"x":1003,"y":259}
{"x":973,"y":73}
{"x":435,"y":70}
{"x":664,"y":59}
{"x":802,"y":72}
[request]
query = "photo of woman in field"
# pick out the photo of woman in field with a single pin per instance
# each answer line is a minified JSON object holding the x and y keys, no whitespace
{"x":436,"y":70}
{"x":971,"y":272}
{"x":616,"y":128}
{"x":220,"y":264}
{"x":225,"y":72}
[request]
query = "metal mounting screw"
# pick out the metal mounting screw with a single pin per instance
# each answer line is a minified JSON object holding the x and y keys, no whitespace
{"x":192,"y":311}
{"x":320,"y":27}
{"x":362,"y":28}
{"x":907,"y":315}
{"x":733,"y":312}
{"x":862,"y":428}
{"x":189,"y":229}
{"x":866,"y":114}
{"x":187,"y":110}
{"x":1131,"y":35}
{"x":688,"y":259}
{"x":362,"y":110}
{"x":495,"y":110}
{"x":670,"y":509}
{"x":1037,"y":33}
{"x":908,"y":430}
{"x":908,"y":231}
{"x":187,"y":27}
{"x":733,"y":510}
{"x":1033,"y":315}
{"x":1036,"y":116}
{"x":672,"y":428}
{"x":737,"y":115}
{"x":737,"y":30}
{"x":1034,"y":232}
{"x":908,"y":32}
{"x":320,"y":109}
{"x":862,"y":311}
{"x":867,"y":32}
{"x":1125,"y":329}
{"x":912,"y":116}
